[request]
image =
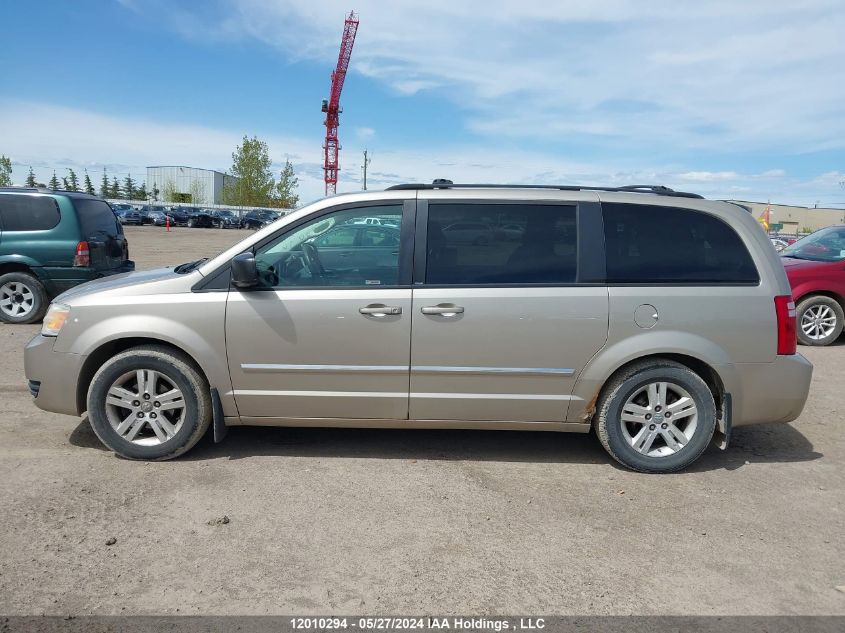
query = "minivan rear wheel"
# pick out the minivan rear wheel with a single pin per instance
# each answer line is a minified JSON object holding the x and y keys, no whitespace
{"x":22,"y":298}
{"x":656,"y":416}
{"x":149,"y":402}
{"x":820,"y":320}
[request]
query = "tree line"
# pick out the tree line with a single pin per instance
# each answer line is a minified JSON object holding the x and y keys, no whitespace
{"x":128,"y":189}
{"x":253,"y":183}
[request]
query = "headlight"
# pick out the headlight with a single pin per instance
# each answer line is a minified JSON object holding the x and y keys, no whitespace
{"x":55,"y":319}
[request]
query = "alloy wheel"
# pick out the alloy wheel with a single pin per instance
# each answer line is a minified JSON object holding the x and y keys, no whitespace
{"x":659,"y":419}
{"x":818,"y":321}
{"x":16,"y":299}
{"x":145,"y":407}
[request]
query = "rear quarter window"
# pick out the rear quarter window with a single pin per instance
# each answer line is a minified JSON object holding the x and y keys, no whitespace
{"x":668,"y":245}
{"x":28,"y":213}
{"x":96,"y":218}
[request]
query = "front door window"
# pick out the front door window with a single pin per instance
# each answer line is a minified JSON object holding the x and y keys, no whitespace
{"x":341,"y":249}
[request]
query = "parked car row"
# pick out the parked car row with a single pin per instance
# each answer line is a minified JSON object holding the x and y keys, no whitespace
{"x":192,"y":217}
{"x":258,"y":219}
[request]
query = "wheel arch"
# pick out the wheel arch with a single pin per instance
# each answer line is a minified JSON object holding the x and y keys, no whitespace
{"x":812,"y":292}
{"x":704,"y":371}
{"x":111,"y":348}
{"x":16,"y":266}
{"x":702,"y":368}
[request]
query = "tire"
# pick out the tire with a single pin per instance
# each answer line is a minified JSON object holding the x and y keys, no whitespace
{"x":823,"y":319}
{"x":187,"y":419}
{"x":626,"y":389}
{"x":23,"y":298}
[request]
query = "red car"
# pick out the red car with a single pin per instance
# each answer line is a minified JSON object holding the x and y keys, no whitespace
{"x":815,"y":266}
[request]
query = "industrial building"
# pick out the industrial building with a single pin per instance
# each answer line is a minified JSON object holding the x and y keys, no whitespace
{"x":188,"y":184}
{"x":791,"y":220}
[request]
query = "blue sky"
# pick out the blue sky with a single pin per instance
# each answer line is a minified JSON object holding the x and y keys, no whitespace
{"x":733,"y":100}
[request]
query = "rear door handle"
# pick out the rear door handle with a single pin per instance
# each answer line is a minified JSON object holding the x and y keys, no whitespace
{"x":378,"y":310}
{"x":443,"y":309}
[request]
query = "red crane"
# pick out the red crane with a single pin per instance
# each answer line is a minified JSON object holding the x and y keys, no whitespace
{"x":331,"y":106}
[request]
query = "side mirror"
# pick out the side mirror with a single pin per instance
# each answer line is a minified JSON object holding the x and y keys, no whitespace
{"x":244,"y":272}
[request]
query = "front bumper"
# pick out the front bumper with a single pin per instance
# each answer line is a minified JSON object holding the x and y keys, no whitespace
{"x":56,"y":375}
{"x":768,"y":392}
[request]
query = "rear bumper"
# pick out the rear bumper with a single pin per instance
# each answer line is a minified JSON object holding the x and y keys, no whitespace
{"x":52,"y":376}
{"x":57,"y":280}
{"x":768,"y":392}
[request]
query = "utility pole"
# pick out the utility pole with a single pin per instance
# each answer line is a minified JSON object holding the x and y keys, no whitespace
{"x":367,"y":161}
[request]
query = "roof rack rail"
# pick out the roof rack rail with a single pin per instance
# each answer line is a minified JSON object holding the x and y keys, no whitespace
{"x":442,"y":183}
{"x":16,"y":189}
{"x":42,"y":190}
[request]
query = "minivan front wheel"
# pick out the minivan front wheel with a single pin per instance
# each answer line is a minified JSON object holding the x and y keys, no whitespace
{"x":656,"y":416}
{"x":820,"y":320}
{"x":22,"y":298}
{"x":149,"y":402}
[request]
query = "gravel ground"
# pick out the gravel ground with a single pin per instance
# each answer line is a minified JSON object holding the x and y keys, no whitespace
{"x":279,"y":521}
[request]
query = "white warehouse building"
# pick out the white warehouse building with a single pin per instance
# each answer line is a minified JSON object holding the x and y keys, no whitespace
{"x":191,"y":184}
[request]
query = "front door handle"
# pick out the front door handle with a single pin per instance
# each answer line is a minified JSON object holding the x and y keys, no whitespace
{"x":379,"y":310}
{"x":443,"y":309}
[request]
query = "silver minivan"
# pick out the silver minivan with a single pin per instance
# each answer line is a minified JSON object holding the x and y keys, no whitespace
{"x":655,"y":317}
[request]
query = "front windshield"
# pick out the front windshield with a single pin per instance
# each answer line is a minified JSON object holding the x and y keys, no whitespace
{"x":827,"y":245}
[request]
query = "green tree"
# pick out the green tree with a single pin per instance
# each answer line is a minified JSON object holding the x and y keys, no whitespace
{"x":5,"y":171}
{"x":198,"y":192}
{"x":169,"y":193}
{"x":30,"y":178}
{"x":141,"y":192}
{"x":73,"y":180}
{"x":104,"y":185}
{"x":114,"y":189}
{"x":129,"y":187}
{"x":251,"y":166}
{"x":88,"y":185}
{"x":285,"y":194}
{"x":65,"y":184}
{"x":54,"y":182}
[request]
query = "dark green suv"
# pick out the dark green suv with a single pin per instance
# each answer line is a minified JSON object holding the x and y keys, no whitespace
{"x":51,"y":241}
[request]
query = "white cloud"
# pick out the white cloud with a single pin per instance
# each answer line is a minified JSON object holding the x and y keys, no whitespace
{"x":719,"y":75}
{"x":708,"y":176}
{"x":364,"y":133}
{"x":51,"y":137}
{"x":129,"y":4}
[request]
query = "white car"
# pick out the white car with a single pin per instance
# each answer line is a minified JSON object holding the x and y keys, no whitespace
{"x":779,"y":243}
{"x":374,"y":222}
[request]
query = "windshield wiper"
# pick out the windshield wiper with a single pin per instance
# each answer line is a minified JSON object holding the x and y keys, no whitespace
{"x":190,"y":266}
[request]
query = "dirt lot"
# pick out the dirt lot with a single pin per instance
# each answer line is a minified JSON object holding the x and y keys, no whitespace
{"x":414,"y":521}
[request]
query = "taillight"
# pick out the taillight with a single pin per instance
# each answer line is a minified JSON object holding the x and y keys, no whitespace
{"x":83,"y":255}
{"x":787,"y":333}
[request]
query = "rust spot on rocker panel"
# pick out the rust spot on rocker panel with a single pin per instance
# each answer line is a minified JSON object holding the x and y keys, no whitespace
{"x":590,"y":409}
